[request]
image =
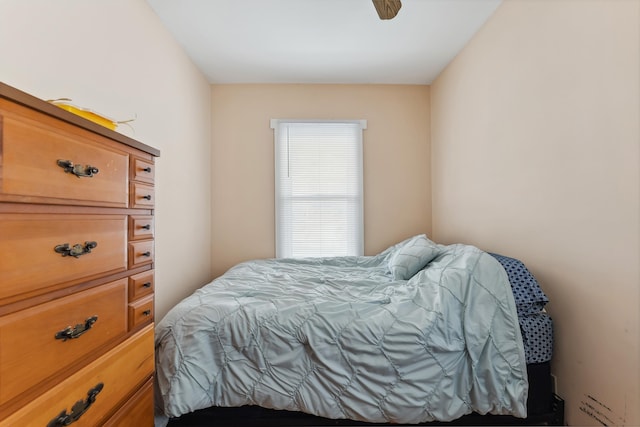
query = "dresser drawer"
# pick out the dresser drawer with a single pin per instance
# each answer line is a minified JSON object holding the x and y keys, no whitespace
{"x":141,"y":284}
{"x":142,"y":170}
{"x":29,"y":349}
{"x":140,"y":253}
{"x":140,"y":227}
{"x":34,"y":257}
{"x":137,"y":412}
{"x":111,"y":379}
{"x":140,"y":312}
{"x":142,"y":196}
{"x":35,"y":154}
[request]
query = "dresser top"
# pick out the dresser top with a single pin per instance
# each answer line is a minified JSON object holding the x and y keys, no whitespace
{"x":23,"y":98}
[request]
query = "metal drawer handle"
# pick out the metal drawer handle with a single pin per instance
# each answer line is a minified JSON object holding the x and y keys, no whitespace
{"x":78,"y":170}
{"x":76,"y":250}
{"x":77,"y":410}
{"x":75,"y":332}
{"x":147,"y":197}
{"x":146,"y":227}
{"x":147,"y":170}
{"x":147,"y":254}
{"x":146,"y":285}
{"x":146,"y":313}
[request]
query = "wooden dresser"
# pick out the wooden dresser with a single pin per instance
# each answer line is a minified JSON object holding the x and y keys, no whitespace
{"x":76,"y":269}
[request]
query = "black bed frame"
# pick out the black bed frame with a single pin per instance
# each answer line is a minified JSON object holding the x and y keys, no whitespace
{"x":543,"y":408}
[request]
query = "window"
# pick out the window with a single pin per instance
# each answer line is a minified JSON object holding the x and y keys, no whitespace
{"x":318,"y":167}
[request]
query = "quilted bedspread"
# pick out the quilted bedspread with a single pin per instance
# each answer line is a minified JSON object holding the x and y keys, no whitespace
{"x":339,"y":338}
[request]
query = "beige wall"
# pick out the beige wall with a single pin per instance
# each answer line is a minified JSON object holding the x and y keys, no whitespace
{"x":397,"y":198}
{"x":114,"y":57}
{"x":535,"y":154}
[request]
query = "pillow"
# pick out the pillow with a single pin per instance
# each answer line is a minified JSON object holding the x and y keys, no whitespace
{"x":529,"y":297}
{"x":392,"y":250}
{"x":412,"y":257}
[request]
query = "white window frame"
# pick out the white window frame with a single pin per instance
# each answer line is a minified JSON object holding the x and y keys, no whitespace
{"x":284,"y":248}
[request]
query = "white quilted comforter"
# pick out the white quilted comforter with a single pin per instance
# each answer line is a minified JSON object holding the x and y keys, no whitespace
{"x":339,"y":338}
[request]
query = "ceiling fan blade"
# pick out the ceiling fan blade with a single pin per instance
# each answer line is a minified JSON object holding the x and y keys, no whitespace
{"x":387,"y":9}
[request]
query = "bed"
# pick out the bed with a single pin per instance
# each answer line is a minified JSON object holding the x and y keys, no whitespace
{"x":421,"y":332}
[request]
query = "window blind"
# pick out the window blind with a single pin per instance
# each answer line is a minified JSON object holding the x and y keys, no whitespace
{"x":319,"y":192}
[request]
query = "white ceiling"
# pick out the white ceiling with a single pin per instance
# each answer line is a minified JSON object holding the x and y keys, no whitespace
{"x":321,"y":41}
